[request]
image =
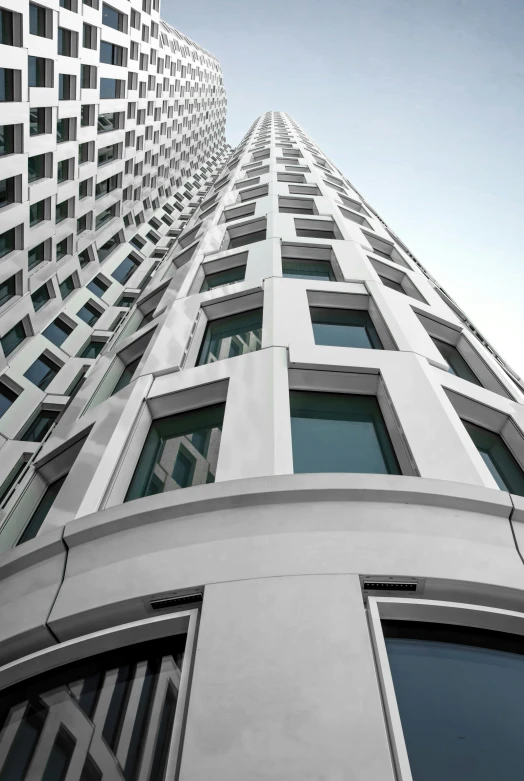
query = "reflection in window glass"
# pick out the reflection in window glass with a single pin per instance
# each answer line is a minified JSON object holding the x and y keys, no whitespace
{"x":344,"y":328}
{"x":463,"y":718}
{"x":456,"y":363}
{"x":337,"y":432}
{"x":114,"y":713}
{"x":226,"y":277}
{"x":180,"y":451}
{"x":308,"y":269}
{"x":496,"y":455}
{"x":231,"y":336}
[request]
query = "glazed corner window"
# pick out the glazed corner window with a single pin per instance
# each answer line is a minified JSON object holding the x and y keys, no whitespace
{"x":498,"y":458}
{"x":113,"y":18}
{"x":344,"y":328}
{"x":336,"y":432}
{"x":179,"y":451}
{"x":463,"y":714}
{"x":456,"y":363}
{"x":230,"y":336}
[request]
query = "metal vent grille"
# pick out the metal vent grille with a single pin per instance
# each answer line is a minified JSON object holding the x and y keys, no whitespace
{"x":184,"y":599}
{"x":374,"y":585}
{"x":389,"y":585}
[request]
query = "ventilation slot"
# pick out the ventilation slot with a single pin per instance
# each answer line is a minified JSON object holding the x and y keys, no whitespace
{"x":167,"y":602}
{"x":373,"y":585}
{"x":388,"y":586}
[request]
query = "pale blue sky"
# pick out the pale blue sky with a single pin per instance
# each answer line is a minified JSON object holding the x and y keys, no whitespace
{"x":419,"y":102}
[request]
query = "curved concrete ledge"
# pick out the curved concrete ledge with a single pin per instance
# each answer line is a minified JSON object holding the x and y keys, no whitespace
{"x":287,"y":489}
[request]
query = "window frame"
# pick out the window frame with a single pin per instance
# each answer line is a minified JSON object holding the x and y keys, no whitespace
{"x":431,"y":611}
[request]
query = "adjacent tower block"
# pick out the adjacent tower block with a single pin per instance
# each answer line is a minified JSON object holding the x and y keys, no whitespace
{"x":274,"y":535}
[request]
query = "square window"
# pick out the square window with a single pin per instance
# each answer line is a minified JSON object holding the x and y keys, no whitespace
{"x":7,"y":242}
{"x":42,"y":372}
{"x":57,"y":331}
{"x":230,"y":336}
{"x":40,"y":297}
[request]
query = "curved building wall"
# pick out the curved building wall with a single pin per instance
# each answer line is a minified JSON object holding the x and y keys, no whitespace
{"x":279,"y":576}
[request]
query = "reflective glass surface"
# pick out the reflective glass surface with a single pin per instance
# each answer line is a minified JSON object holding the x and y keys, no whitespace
{"x":92,"y":350}
{"x":42,"y":372}
{"x":125,"y":270}
{"x":457,"y":364}
{"x":7,"y":397}
{"x":13,"y":338}
{"x":57,"y":332}
{"x":226,"y":277}
{"x":496,"y":455}
{"x":180,"y":451}
{"x":336,"y":432}
{"x":125,"y":377}
{"x":7,"y":290}
{"x":231,"y":336}
{"x":40,"y":297}
{"x":107,"y":718}
{"x":37,"y":430}
{"x":460,"y":694}
{"x":344,"y":328}
{"x":308,"y":269}
{"x":42,"y":509}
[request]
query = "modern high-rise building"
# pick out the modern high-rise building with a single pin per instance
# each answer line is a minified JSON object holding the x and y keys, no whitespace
{"x":261,"y":479}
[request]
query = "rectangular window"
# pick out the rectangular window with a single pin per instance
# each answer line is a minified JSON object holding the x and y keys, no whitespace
{"x":7,"y":399}
{"x":7,"y":290}
{"x":88,"y":77}
{"x":230,"y":336}
{"x":308,"y":269}
{"x":89,"y":36}
{"x":335,"y":432}
{"x":40,"y":426}
{"x":40,"y":297}
{"x":113,"y":18}
{"x":63,"y":248}
{"x":107,"y":154}
{"x":226,"y":277}
{"x":84,"y":189}
{"x":108,"y":122}
{"x":37,"y":255}
{"x":106,"y":216}
{"x":97,"y":286}
{"x":92,"y":349}
{"x":67,"y":44}
{"x":87,"y":115}
{"x":62,"y":211}
{"x":7,"y":191}
{"x":7,"y":242}
{"x":65,"y":170}
{"x":125,"y":270}
{"x":107,"y":186}
{"x":67,"y":286}
{"x":89,"y":314}
{"x":37,"y":122}
{"x":111,"y":88}
{"x":37,"y":212}
{"x":39,"y":72}
{"x":110,"y":245}
{"x":9,"y":79}
{"x":344,"y":328}
{"x":65,"y":130}
{"x":179,"y":451}
{"x":456,"y":363}
{"x":66,"y":87}
{"x":13,"y":338}
{"x":498,"y":458}
{"x":40,"y":21}
{"x":57,"y":331}
{"x":42,"y":372}
{"x":317,"y":229}
{"x":111,"y":53}
{"x":84,"y":152}
{"x":7,"y":139}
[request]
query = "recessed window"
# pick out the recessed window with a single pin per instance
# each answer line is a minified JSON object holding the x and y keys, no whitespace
{"x":317,"y":229}
{"x":112,"y":88}
{"x":92,"y":349}
{"x":65,"y":130}
{"x":230,"y":336}
{"x":7,"y":140}
{"x":65,"y":170}
{"x":110,"y":245}
{"x":29,"y":533}
{"x":127,"y":375}
{"x":226,"y":277}
{"x":36,"y":167}
{"x":87,"y":115}
{"x":39,"y":427}
{"x":107,"y":154}
{"x":7,"y":398}
{"x":7,"y":242}
{"x":88,"y":75}
{"x":7,"y":191}
{"x":67,"y":42}
{"x":40,"y":21}
{"x":67,"y":286}
{"x":37,"y":255}
{"x":456,"y":363}
{"x":459,"y":695}
{"x":297,"y":206}
{"x":37,"y":122}
{"x":40,"y":297}
{"x":499,"y":460}
{"x":125,"y":270}
{"x":42,"y":372}
{"x":392,"y":284}
{"x":57,"y":331}
{"x":89,"y":36}
{"x":62,"y":211}
{"x":62,"y":248}
{"x":111,"y":53}
{"x":39,"y":72}
{"x":179,"y":451}
{"x":13,"y":338}
{"x":7,"y":290}
{"x":66,"y":87}
{"x":344,"y":328}
{"x":109,"y":122}
{"x":335,"y":432}
{"x":98,"y":286}
{"x":113,"y":18}
{"x":89,"y":314}
{"x":246,"y":233}
{"x":9,"y":85}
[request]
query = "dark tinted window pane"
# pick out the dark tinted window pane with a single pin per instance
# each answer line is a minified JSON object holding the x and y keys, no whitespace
{"x":7,"y":242}
{"x":459,"y":694}
{"x":170,"y":460}
{"x":89,"y":314}
{"x":57,"y":332}
{"x":92,"y":350}
{"x":13,"y":338}
{"x":39,"y":515}
{"x":457,"y":364}
{"x":40,"y":426}
{"x":344,"y":328}
{"x":226,"y":277}
{"x":7,"y":290}
{"x":125,"y":270}
{"x":308,"y":269}
{"x":36,"y":213}
{"x":7,"y":397}
{"x":231,"y":336}
{"x":7,"y":139}
{"x":111,"y":18}
{"x":40,"y":297}
{"x":36,"y":167}
{"x":97,"y":286}
{"x":125,"y":377}
{"x":36,"y":255}
{"x":42,"y":372}
{"x":247,"y":238}
{"x":334,"y":432}
{"x":496,"y":455}
{"x":393,"y":285}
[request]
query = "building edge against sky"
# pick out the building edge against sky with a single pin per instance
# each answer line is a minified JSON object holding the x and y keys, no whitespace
{"x":347,"y":449}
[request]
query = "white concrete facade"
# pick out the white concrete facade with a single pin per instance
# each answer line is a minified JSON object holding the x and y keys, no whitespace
{"x":288,"y":681}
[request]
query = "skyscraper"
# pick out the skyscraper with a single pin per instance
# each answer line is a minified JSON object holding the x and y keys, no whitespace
{"x":274,"y":532}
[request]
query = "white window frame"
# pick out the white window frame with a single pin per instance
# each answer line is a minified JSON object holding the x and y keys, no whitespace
{"x":121,"y":636}
{"x":430,"y":611}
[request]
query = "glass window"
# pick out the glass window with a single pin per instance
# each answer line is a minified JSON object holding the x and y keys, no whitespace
{"x":40,"y":426}
{"x":125,"y":270}
{"x":393,"y":285}
{"x":496,"y":455}
{"x":97,"y":286}
{"x":87,"y":115}
{"x":127,"y":374}
{"x":89,"y":314}
{"x":36,"y":255}
{"x":110,"y":53}
{"x":36,"y":167}
{"x":62,"y":248}
{"x":459,"y":692}
{"x":13,"y":338}
{"x":308,"y":269}
{"x":112,"y":18}
{"x":7,"y":191}
{"x":246,"y":238}
{"x":336,"y":432}
{"x":30,"y":531}
{"x":36,"y":72}
{"x":40,"y":297}
{"x":91,"y":740}
{"x":109,"y":88}
{"x":7,"y":242}
{"x":37,"y":20}
{"x":457,"y":364}
{"x":42,"y":372}
{"x":226,"y":277}
{"x":37,"y":122}
{"x":171,"y":459}
{"x":7,"y":398}
{"x":36,"y":213}
{"x":7,"y":290}
{"x":92,"y":350}
{"x":7,"y":139}
{"x":106,"y":249}
{"x":62,"y":211}
{"x":57,"y":332}
{"x":344,"y":328}
{"x":63,"y":170}
{"x":231,"y":336}
{"x":7,"y":85}
{"x":67,"y":286}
